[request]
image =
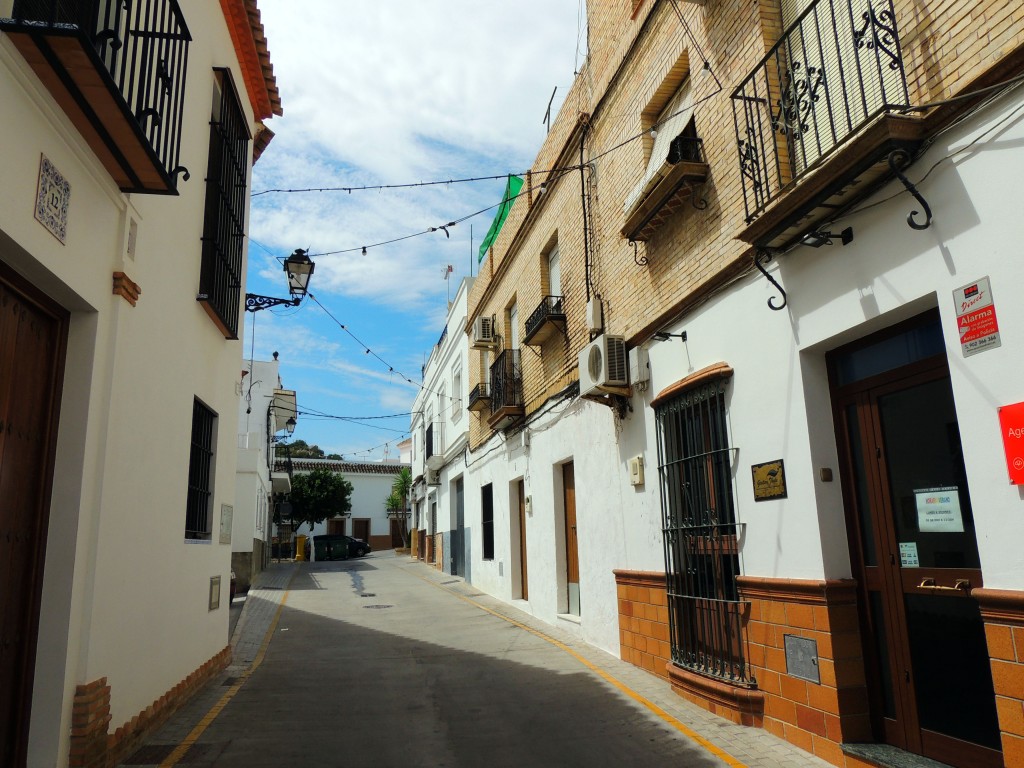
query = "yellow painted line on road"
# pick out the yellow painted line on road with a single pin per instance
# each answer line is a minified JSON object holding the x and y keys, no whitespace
{"x":714,"y":749}
{"x":179,"y":752}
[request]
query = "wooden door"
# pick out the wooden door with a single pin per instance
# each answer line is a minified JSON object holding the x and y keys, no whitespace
{"x":33,"y":338}
{"x":361,"y":529}
{"x":572,"y":559}
{"x":336,"y":527}
{"x":913,"y":539}
{"x":524,"y":581}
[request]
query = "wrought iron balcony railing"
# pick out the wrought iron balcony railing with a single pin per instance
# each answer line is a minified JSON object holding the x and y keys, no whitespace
{"x":480,"y":397}
{"x":506,"y":389}
{"x":434,"y":442}
{"x":546,"y":320}
{"x":837,"y":67}
{"x":117,"y":67}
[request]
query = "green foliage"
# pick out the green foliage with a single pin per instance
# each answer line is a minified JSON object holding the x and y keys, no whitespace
{"x":394,"y":502}
{"x":402,"y":486}
{"x":300,"y":449}
{"x":317,"y":496}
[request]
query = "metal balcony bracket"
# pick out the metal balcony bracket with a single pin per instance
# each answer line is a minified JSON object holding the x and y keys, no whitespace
{"x":641,"y":261}
{"x":899,"y":159}
{"x":537,"y":352}
{"x":701,"y":202}
{"x":181,"y":169}
{"x":760,"y":254}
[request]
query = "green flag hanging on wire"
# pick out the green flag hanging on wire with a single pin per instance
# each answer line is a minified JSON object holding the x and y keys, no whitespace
{"x":515,"y":183}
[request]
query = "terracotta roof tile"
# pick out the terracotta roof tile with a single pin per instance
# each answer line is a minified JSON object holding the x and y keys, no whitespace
{"x":342,"y":467}
{"x":243,"y":17}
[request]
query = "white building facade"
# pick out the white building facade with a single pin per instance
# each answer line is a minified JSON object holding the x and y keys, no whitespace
{"x":371,"y":485}
{"x":266,"y":410}
{"x":441,"y":532}
{"x":116,"y":384}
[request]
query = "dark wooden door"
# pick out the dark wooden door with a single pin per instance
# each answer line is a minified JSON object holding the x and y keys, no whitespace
{"x":33,"y":337}
{"x":572,"y":558}
{"x":361,"y":529}
{"x":913,"y":537}
{"x":524,"y":580}
{"x":336,"y":527}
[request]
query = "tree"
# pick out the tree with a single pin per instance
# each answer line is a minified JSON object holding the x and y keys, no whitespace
{"x":300,"y":449}
{"x":317,"y":496}
{"x":398,"y":502}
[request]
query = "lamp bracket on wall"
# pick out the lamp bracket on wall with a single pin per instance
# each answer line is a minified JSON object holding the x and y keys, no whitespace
{"x":898,"y":160}
{"x":817,"y":238}
{"x":254,"y":302}
{"x":665,"y":336}
{"x":764,"y":254}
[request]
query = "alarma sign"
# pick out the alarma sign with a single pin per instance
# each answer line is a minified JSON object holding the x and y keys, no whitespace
{"x":976,"y":317}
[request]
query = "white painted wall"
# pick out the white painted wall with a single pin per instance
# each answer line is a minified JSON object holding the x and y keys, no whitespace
{"x":371,"y":486}
{"x":121,"y":582}
{"x":447,"y":359}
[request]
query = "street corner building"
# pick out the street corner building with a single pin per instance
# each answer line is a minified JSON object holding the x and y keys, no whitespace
{"x":127,"y":136}
{"x":744,"y":371}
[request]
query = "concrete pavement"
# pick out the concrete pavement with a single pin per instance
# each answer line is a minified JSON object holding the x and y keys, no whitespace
{"x":384,"y":661}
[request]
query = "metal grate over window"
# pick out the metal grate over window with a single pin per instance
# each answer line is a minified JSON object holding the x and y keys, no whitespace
{"x":220,"y":281}
{"x":200,"y":473}
{"x":700,"y":535}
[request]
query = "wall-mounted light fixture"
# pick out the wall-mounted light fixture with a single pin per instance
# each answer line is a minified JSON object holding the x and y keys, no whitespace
{"x":299,"y":268}
{"x":818,"y":238}
{"x":665,"y":336}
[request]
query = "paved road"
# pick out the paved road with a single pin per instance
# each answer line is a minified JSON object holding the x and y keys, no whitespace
{"x":386,"y":662}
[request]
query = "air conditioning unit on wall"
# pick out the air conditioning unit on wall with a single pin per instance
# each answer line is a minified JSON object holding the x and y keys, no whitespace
{"x":602,"y":364}
{"x":433,"y":476}
{"x":483,"y":333}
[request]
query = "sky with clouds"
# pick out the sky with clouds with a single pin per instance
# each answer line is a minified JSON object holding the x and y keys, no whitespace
{"x":385,"y":93}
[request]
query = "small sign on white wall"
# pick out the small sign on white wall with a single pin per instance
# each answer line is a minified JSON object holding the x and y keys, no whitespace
{"x":53,"y":198}
{"x":227,"y":514}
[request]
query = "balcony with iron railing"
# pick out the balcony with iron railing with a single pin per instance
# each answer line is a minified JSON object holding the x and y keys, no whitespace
{"x":671,"y":188}
{"x":117,"y":69}
{"x":547,"y":320}
{"x":480,"y":397}
{"x":506,"y":390}
{"x":433,"y":446}
{"x":818,"y":122}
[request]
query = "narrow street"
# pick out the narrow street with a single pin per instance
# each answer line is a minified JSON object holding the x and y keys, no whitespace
{"x":384,"y":661}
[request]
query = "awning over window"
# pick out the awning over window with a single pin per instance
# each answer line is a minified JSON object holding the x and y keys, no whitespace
{"x":515,"y":183}
{"x":671,"y":122}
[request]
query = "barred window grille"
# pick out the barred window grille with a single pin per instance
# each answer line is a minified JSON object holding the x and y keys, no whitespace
{"x":220,"y":281}
{"x":200,"y":473}
{"x":700,"y":535}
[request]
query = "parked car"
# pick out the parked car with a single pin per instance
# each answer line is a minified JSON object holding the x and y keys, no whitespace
{"x":337,"y":546}
{"x":357,"y":547}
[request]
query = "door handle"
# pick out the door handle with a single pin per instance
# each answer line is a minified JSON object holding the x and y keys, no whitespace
{"x":961,"y":585}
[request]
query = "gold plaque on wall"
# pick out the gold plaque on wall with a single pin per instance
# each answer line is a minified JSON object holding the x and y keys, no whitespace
{"x":769,"y":480}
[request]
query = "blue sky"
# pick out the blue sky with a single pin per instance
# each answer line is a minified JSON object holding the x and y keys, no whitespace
{"x":385,"y":93}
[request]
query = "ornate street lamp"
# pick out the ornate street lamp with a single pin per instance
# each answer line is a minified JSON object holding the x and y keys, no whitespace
{"x":299,"y":268}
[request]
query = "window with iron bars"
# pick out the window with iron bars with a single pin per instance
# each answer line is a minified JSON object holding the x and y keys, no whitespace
{"x":227,"y":173}
{"x":200,"y":473}
{"x":700,"y":534}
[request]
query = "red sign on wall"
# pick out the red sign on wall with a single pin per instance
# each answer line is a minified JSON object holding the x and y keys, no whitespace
{"x":976,"y":317}
{"x":1011,"y":423}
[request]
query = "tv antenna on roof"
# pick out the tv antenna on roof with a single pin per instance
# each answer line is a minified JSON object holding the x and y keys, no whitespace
{"x":547,"y":115}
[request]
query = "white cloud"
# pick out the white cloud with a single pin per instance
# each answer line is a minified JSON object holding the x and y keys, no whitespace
{"x":394,"y":92}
